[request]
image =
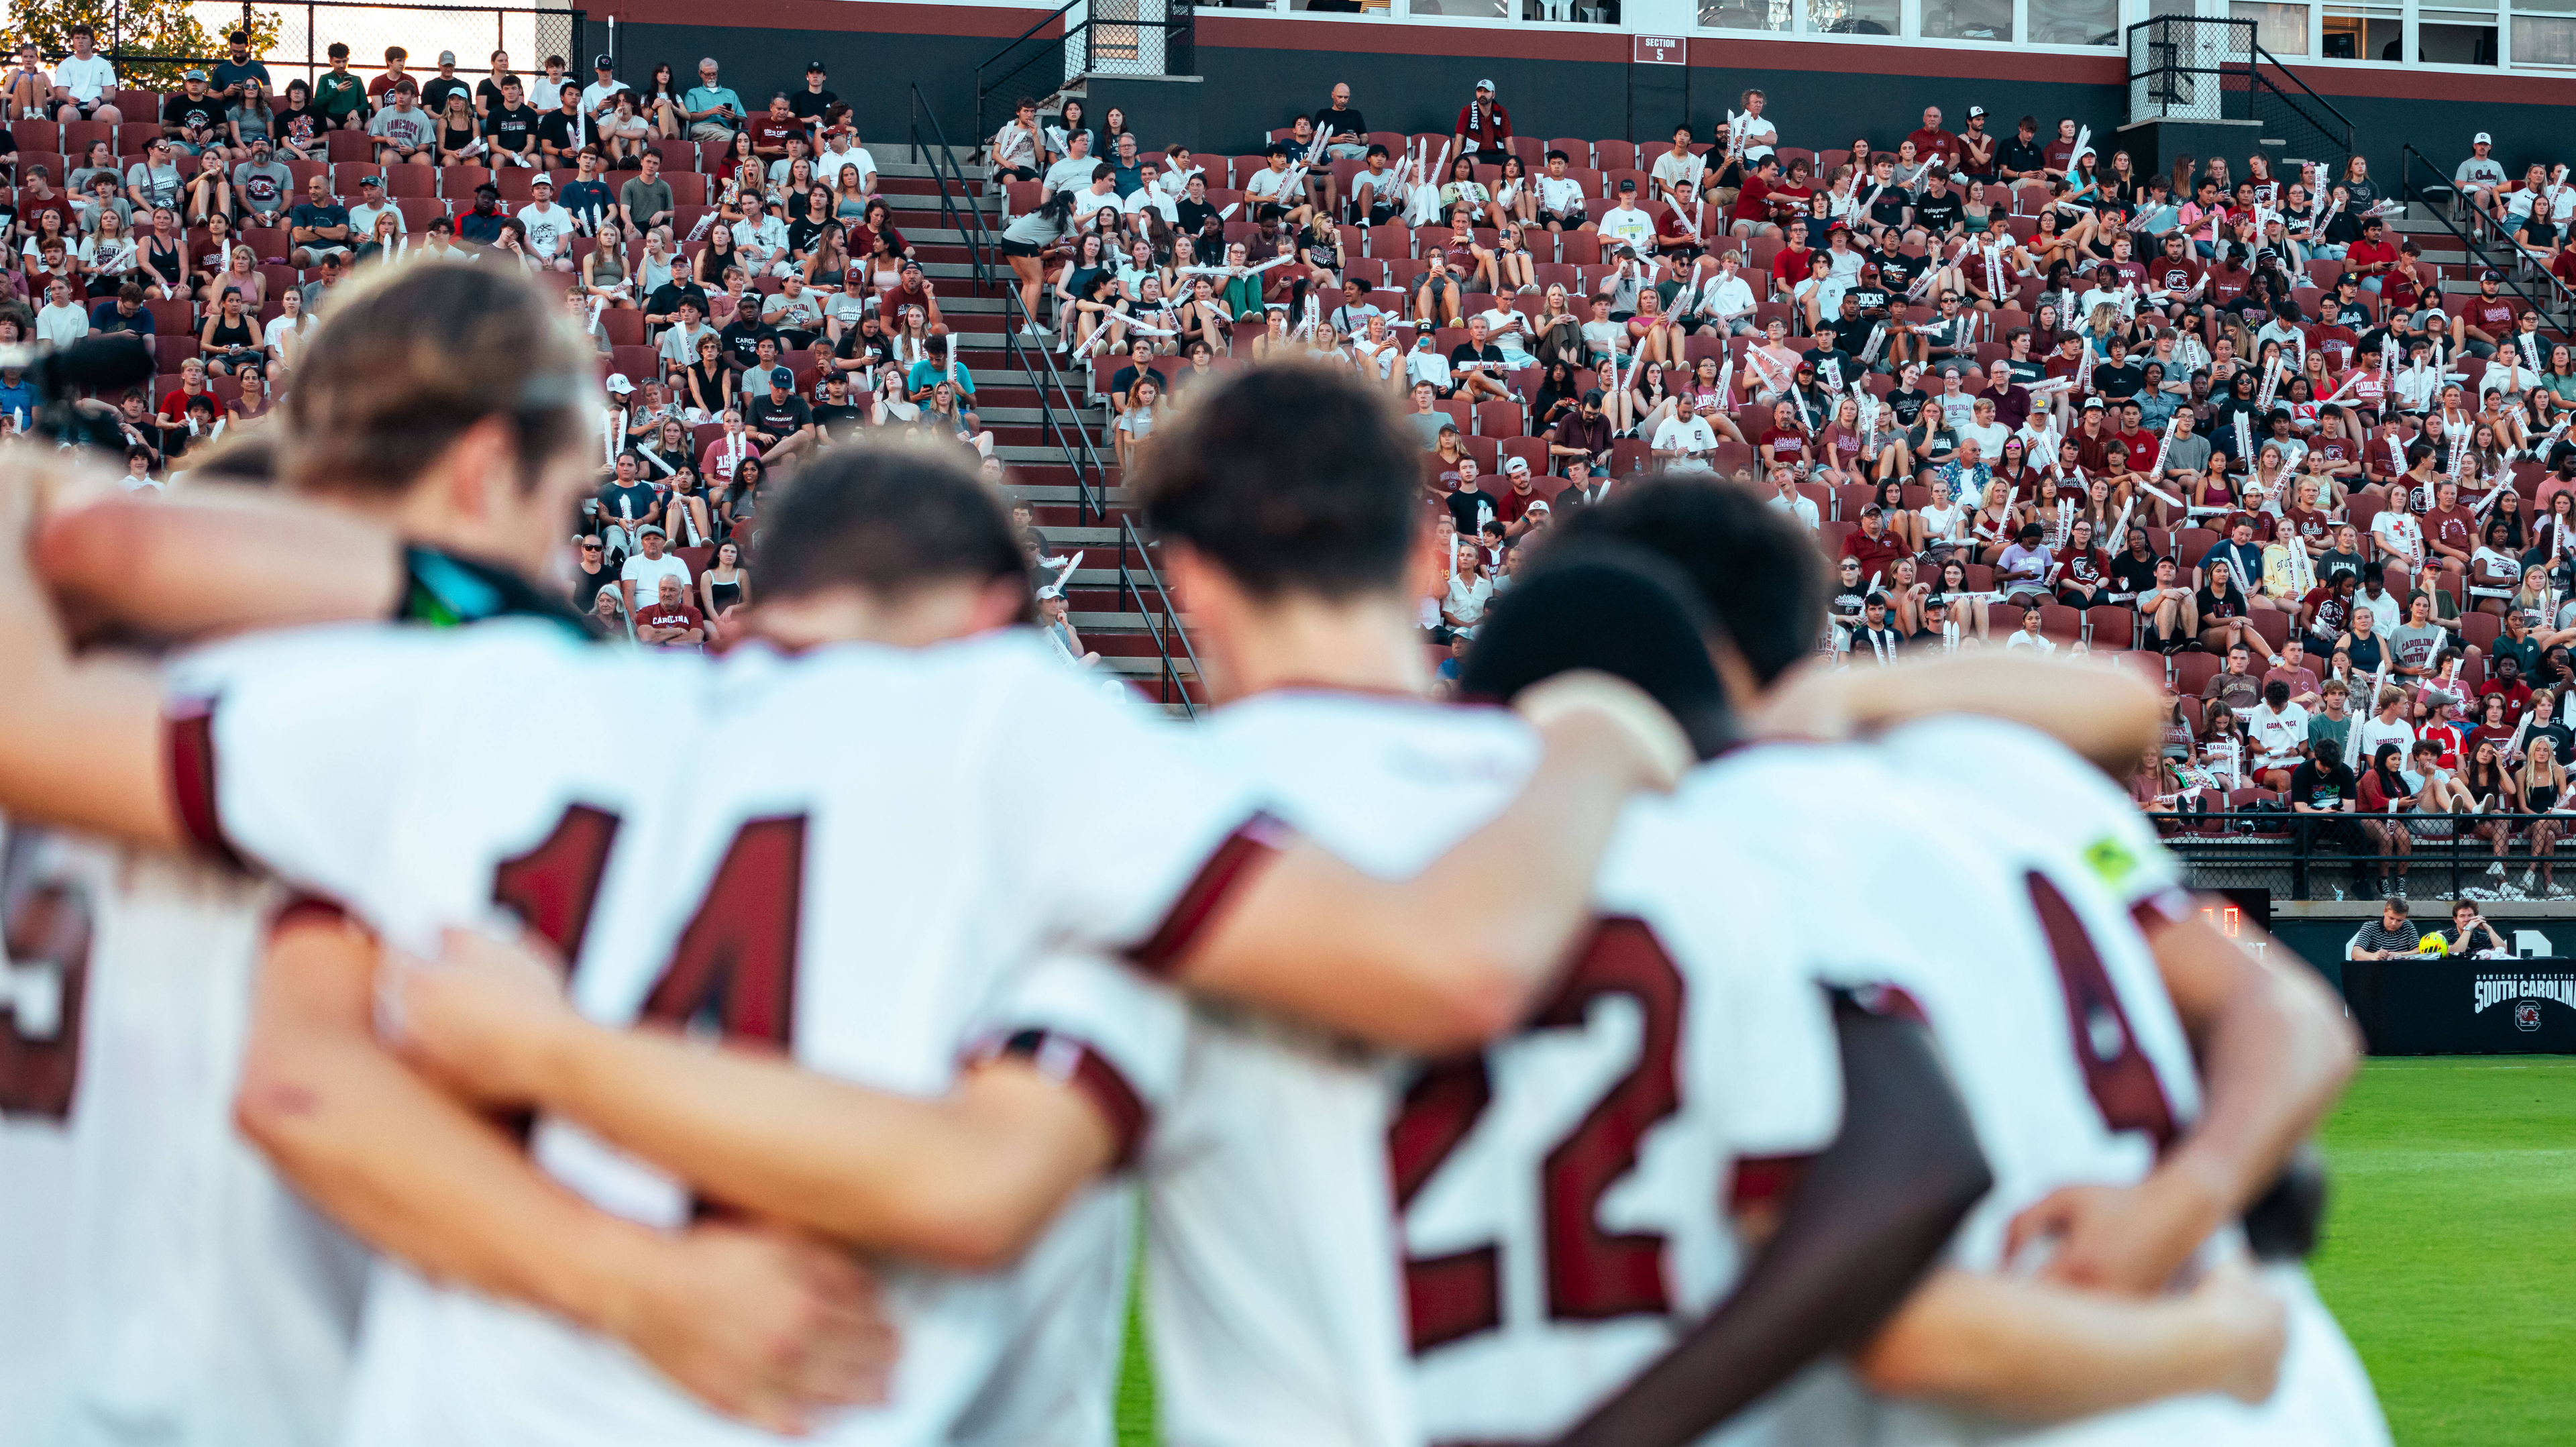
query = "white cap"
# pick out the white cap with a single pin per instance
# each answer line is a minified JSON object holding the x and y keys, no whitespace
{"x":1484,"y":85}
{"x":1516,"y":464}
{"x":2483,"y":139}
{"x":618,"y":384}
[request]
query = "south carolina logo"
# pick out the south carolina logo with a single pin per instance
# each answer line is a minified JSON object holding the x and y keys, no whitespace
{"x":2526,"y":1015}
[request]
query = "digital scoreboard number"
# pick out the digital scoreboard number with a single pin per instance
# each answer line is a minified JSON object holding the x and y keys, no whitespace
{"x":2237,"y":913}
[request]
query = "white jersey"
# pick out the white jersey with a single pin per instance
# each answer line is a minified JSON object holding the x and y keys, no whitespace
{"x":2027,"y":962}
{"x":1078,"y":1017}
{"x":1566,"y":1193}
{"x":198,"y":1301}
{"x":835,"y":853}
{"x":1271,"y":1246}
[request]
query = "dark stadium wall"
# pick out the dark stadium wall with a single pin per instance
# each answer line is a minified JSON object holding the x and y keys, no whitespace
{"x":1261,"y":70}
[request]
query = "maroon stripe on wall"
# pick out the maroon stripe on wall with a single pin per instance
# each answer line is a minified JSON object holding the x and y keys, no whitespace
{"x":860,"y":16}
{"x":2389,"y":82}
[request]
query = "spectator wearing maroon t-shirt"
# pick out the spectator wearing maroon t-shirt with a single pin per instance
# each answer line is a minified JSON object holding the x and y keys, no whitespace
{"x":668,"y":621}
{"x":1784,"y":442}
{"x":2450,"y":533}
{"x":1932,"y":140}
{"x":1873,"y":547}
{"x":2371,"y":258}
{"x":2490,"y":316}
{"x":1484,"y":128}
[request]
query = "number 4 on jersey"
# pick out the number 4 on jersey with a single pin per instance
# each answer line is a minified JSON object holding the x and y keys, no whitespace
{"x":735,"y":962}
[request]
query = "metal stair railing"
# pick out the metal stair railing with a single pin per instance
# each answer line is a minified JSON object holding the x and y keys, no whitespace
{"x":1165,"y":630}
{"x":2554,"y":301}
{"x":1059,"y":413}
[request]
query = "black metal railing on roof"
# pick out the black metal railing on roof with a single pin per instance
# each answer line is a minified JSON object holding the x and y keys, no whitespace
{"x":303,"y":31}
{"x":1140,"y":587}
{"x":1040,"y":59}
{"x":1059,"y":411}
{"x":2553,"y":300}
{"x":2306,"y":123}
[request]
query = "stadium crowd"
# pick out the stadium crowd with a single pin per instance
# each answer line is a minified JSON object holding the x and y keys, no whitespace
{"x":2224,"y":424}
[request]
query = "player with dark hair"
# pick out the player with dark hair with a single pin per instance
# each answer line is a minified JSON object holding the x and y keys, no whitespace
{"x":2193,"y":1007}
{"x":928,"y":908}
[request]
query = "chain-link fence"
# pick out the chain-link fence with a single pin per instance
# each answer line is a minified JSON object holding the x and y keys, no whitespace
{"x":2190,"y":68}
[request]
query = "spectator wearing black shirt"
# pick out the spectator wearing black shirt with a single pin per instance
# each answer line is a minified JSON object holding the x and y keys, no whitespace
{"x":435,"y":90}
{"x":193,"y":116}
{"x":237,"y":67}
{"x":2324,"y":784}
{"x":510,"y":126}
{"x":740,"y":338}
{"x":1828,"y":348}
{"x":564,"y":132}
{"x":779,"y":418}
{"x":1469,"y":504}
{"x":2020,"y":157}
{"x":1344,"y":129}
{"x":835,"y":419}
{"x":1194,"y":216}
{"x":1477,"y":366}
{"x":813,"y":102}
{"x":1940,"y":212}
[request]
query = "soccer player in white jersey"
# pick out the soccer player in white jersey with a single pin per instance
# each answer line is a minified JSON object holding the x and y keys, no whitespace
{"x":203,"y":1302}
{"x":2271,"y":1047}
{"x":938,"y":563}
{"x":1269,"y":1206}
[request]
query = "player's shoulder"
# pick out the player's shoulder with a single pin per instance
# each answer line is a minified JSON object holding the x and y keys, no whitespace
{"x":1384,"y":732}
{"x":366,"y":654}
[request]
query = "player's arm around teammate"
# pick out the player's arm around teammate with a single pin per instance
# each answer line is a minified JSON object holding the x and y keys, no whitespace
{"x":762,"y":1323}
{"x":983,"y":1169}
{"x":777,"y":1324}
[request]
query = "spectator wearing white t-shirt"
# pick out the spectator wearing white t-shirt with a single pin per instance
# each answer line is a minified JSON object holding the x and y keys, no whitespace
{"x":643,"y":573}
{"x":1626,"y":225}
{"x":2278,"y":729}
{"x":64,"y":320}
{"x":550,"y":227}
{"x":82,"y":81}
{"x":1990,"y":434}
{"x":1685,"y":441}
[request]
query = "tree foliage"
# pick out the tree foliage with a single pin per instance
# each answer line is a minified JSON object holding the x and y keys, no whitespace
{"x":152,"y":41}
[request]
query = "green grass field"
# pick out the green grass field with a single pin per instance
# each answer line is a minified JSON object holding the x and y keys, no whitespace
{"x":2451,"y":1245}
{"x":2450,"y":1255}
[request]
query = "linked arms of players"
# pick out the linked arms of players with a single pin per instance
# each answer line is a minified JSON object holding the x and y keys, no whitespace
{"x":2108,"y":716}
{"x":2274,"y":1051}
{"x":85,"y":747}
{"x":764,"y":1323}
{"x":966,"y":1180}
{"x":1866,"y":1221}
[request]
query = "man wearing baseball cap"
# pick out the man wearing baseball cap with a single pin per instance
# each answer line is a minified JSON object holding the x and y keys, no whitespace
{"x":1976,"y":158}
{"x":814,"y":102}
{"x":1484,"y":131}
{"x":913,"y":290}
{"x":2480,"y":176}
{"x":2487,"y":322}
{"x":372,"y":204}
{"x":779,"y":420}
{"x":262,"y":184}
{"x":600,"y":96}
{"x":550,"y":227}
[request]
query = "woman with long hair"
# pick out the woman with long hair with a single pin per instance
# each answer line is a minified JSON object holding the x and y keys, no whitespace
{"x":685,"y":518}
{"x":725,"y":584}
{"x":2382,"y":795}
